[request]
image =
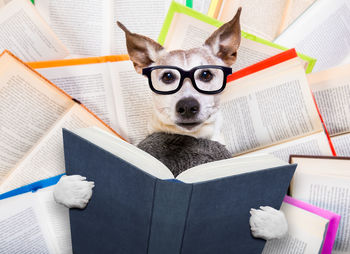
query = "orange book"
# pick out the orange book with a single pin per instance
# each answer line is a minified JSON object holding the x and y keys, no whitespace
{"x":268,"y":107}
{"x":33,"y":113}
{"x":109,"y":86}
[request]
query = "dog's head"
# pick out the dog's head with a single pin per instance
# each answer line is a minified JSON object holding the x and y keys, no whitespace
{"x":187,"y":111}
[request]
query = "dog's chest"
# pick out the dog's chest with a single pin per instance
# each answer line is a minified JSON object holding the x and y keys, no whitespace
{"x":180,"y":152}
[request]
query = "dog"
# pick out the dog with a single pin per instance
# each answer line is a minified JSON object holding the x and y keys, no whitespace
{"x":183,"y":110}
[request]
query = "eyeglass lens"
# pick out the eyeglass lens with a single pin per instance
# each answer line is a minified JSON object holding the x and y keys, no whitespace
{"x":206,"y":79}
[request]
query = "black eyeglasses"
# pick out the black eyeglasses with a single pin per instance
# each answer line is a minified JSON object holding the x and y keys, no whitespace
{"x":207,"y":79}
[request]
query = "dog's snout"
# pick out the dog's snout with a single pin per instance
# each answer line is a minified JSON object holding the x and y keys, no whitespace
{"x":187,"y":108}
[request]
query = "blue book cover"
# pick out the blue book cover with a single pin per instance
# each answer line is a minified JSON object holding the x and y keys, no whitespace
{"x":134,"y":212}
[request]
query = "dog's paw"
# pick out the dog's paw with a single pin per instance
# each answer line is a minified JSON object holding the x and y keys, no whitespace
{"x":268,"y":223}
{"x":73,"y":191}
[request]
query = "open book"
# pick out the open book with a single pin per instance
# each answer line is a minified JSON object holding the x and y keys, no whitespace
{"x":31,"y":220}
{"x":33,"y":112}
{"x":89,"y":28}
{"x":26,"y":34}
{"x":266,"y":19}
{"x":185,"y":28}
{"x":310,"y":229}
{"x":325,"y":182}
{"x":331,"y":89}
{"x":133,"y":105}
{"x":325,"y":33}
{"x":269,"y":107}
{"x":109,"y":86}
{"x":137,"y":200}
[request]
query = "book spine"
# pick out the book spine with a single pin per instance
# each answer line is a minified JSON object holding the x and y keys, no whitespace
{"x":170,"y":208}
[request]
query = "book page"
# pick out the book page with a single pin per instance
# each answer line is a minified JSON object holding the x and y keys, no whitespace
{"x":229,"y":167}
{"x":29,"y":106}
{"x":57,"y":218}
{"x":261,"y":18}
{"x":4,"y":2}
{"x":186,"y":32}
{"x":315,"y":144}
{"x":26,"y":34}
{"x":142,"y":17}
{"x":132,"y":100}
{"x":268,"y":107}
{"x":47,"y":158}
{"x":330,"y":193}
{"x":294,"y":10}
{"x":83,"y":26}
{"x":341,"y":144}
{"x":22,"y":229}
{"x":305,"y":232}
{"x":201,"y":6}
{"x":331,"y":89}
{"x":322,"y":25}
{"x":90,"y":84}
{"x":331,"y":166}
{"x":125,"y":151}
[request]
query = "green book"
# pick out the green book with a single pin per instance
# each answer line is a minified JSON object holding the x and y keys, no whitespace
{"x":186,"y":28}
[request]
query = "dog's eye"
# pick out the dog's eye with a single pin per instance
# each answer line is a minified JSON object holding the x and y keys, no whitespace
{"x":168,"y":77}
{"x":205,"y":76}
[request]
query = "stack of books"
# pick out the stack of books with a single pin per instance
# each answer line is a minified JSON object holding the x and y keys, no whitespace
{"x":65,"y":66}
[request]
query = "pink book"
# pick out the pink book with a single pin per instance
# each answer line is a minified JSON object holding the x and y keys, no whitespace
{"x":332,"y":225}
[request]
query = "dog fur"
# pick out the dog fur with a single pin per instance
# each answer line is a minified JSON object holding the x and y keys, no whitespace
{"x":219,"y":49}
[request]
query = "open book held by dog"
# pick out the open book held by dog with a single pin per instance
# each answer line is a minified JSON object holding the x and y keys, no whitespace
{"x":186,"y":106}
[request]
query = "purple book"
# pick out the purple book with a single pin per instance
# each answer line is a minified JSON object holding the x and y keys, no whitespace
{"x":332,"y":225}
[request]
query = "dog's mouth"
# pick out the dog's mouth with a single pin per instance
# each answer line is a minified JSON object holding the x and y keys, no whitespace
{"x":188,"y":125}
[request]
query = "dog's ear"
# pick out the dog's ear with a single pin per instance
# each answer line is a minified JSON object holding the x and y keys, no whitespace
{"x":224,"y":42}
{"x":143,"y":51}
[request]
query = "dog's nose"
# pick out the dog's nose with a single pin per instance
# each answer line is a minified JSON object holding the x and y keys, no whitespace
{"x":188,"y":107}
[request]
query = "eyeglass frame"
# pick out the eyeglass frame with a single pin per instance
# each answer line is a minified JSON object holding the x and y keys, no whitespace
{"x":186,"y":74}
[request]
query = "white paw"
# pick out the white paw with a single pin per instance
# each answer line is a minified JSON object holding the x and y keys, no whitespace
{"x":73,"y":191}
{"x":268,"y":223}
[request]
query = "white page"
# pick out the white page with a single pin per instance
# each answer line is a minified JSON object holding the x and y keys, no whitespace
{"x":322,"y":32}
{"x":268,"y":107}
{"x":341,"y":144}
{"x":88,"y":83}
{"x":126,"y":151}
{"x":83,"y":26}
{"x":22,"y":229}
{"x":27,"y":35}
{"x":151,"y":165}
{"x":186,"y":32}
{"x":47,"y":158}
{"x":132,"y":100}
{"x":29,"y":108}
{"x":229,"y":167}
{"x":333,"y":166}
{"x":316,"y":144}
{"x":139,"y":16}
{"x":200,"y":6}
{"x":295,"y":9}
{"x":305,"y":233}
{"x":262,"y":18}
{"x":57,"y":219}
{"x":4,"y":2}
{"x":331,"y":89}
{"x":330,"y":193}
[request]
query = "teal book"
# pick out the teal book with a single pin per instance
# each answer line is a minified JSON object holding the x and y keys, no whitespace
{"x":138,"y":207}
{"x":186,"y":28}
